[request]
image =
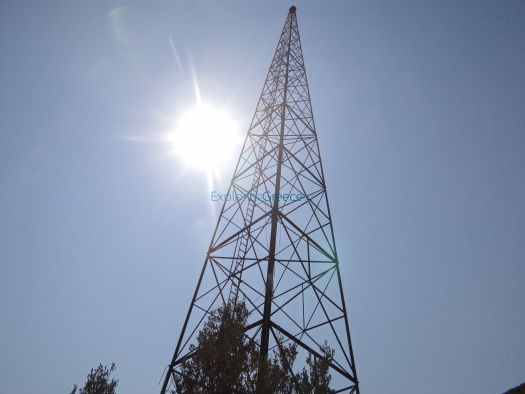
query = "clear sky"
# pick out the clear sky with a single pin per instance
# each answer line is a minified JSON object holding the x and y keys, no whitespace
{"x":420,"y":111}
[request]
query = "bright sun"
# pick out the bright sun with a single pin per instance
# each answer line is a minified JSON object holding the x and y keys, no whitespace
{"x":205,"y":138}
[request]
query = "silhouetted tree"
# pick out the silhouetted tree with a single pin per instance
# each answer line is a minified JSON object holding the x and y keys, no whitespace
{"x":98,"y":381}
{"x":317,"y":378}
{"x":517,"y":390}
{"x":224,"y":360}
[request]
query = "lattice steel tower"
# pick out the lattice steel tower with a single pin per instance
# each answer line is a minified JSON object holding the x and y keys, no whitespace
{"x":273,"y":244}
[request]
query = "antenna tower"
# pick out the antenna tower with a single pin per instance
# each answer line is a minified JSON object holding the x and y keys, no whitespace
{"x":273,"y":244}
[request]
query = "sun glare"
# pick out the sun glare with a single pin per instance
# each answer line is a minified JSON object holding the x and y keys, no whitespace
{"x":205,"y":138}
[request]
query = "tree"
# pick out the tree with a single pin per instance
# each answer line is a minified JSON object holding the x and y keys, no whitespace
{"x":516,"y":390}
{"x":224,"y":360}
{"x":317,"y":378}
{"x":98,"y":381}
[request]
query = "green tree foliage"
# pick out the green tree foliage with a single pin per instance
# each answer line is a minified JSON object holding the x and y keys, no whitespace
{"x":224,"y":360}
{"x":98,"y":381}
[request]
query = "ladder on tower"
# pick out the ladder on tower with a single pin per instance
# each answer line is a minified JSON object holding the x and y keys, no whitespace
{"x":243,"y":248}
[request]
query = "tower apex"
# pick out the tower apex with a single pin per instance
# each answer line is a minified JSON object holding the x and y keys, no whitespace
{"x":292,"y":9}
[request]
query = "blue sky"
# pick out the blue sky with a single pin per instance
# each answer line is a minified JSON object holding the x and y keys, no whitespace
{"x":419,"y":108}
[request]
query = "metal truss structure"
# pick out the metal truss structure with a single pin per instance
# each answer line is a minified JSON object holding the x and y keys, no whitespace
{"x":273,"y":245}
